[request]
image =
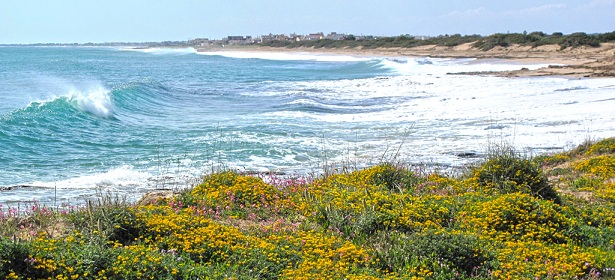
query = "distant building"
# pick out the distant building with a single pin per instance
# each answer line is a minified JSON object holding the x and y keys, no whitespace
{"x":293,"y":37}
{"x":336,"y":36}
{"x":266,"y":38}
{"x":420,"y":37}
{"x":201,"y":42}
{"x":314,"y":36}
{"x":263,"y":39}
{"x":238,"y":40}
{"x":274,"y":37}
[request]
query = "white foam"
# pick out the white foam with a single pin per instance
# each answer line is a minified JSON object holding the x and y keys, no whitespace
{"x":161,"y":51}
{"x":287,"y":56}
{"x":442,"y":66}
{"x":96,"y":101}
{"x":452,"y":113}
{"x":118,"y":177}
{"x":86,"y":95}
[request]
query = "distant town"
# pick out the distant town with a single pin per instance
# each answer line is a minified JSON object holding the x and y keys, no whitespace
{"x":234,"y":40}
{"x":264,"y":39}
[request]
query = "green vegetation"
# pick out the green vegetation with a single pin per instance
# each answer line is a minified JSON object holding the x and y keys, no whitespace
{"x":505,"y":171}
{"x":510,"y":217}
{"x":485,"y":43}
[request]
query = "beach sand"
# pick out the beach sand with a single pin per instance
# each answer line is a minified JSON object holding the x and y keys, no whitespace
{"x":581,"y":62}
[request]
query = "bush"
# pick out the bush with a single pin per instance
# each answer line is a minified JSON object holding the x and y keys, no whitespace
{"x":518,"y":216}
{"x":551,"y":160}
{"x":491,"y":42}
{"x":607,"y":37}
{"x":586,"y":183}
{"x":16,"y":258}
{"x":604,"y":146}
{"x":444,"y":255}
{"x":505,"y":171}
{"x":602,"y":166}
{"x":230,"y":188}
{"x":114,"y":222}
{"x":395,"y":178}
{"x":579,"y":39}
{"x":350,"y":224}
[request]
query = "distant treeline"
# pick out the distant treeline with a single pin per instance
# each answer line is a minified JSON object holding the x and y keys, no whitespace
{"x":533,"y":39}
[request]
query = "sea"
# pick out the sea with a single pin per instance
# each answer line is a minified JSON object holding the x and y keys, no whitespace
{"x":78,"y":123}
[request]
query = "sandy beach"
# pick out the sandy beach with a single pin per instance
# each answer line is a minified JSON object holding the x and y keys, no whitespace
{"x":581,"y":62}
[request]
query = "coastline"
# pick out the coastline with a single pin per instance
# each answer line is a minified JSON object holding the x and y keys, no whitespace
{"x":581,"y":62}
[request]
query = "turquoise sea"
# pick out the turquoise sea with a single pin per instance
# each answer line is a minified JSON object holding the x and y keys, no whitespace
{"x":76,"y":122}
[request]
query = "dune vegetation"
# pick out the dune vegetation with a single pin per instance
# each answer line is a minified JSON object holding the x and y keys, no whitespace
{"x":509,"y":217}
{"x":485,"y":43}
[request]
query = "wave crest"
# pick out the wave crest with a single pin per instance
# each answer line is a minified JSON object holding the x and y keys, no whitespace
{"x":97,"y":101}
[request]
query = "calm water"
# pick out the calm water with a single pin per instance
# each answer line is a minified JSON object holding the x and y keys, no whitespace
{"x":79,"y":121}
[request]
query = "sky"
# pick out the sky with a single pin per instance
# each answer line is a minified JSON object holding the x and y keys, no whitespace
{"x":83,"y":21}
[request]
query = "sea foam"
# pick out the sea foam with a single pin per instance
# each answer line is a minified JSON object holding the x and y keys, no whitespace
{"x":117,"y":177}
{"x":95,"y":101}
{"x":287,"y":56}
{"x":161,"y":51}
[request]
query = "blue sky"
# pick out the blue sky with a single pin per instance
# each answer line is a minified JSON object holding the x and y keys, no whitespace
{"x":82,"y":21}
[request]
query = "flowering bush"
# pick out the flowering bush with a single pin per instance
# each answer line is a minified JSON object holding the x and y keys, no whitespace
{"x":394,"y":178}
{"x":605,"y":146}
{"x":231,"y":188}
{"x":518,"y":216}
{"x":602,"y":166}
{"x":507,"y":172}
{"x":438,"y":254}
{"x":551,"y":160}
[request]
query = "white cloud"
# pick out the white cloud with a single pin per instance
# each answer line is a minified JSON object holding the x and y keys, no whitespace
{"x":594,"y":7}
{"x":481,"y":11}
{"x":601,"y":3}
{"x":467,"y":13}
{"x":545,"y":8}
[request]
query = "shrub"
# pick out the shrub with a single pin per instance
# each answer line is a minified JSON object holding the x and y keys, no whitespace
{"x":586,"y":183}
{"x":602,"y":166}
{"x":531,"y":259}
{"x":505,"y":171}
{"x":518,"y":216}
{"x":427,"y":212}
{"x":16,"y":258}
{"x":605,"y":146}
{"x":229,"y":188}
{"x":551,"y":160}
{"x":559,"y":171}
{"x":579,"y":39}
{"x":582,"y":148}
{"x":114,"y":222}
{"x":394,"y":178}
{"x":491,"y":42}
{"x":607,"y":37}
{"x":590,"y":212}
{"x":440,"y":255}
{"x":591,"y":236}
{"x":351,"y":203}
{"x":350,"y":223}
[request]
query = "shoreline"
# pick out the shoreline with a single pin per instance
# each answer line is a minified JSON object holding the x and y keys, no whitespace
{"x":581,"y":62}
